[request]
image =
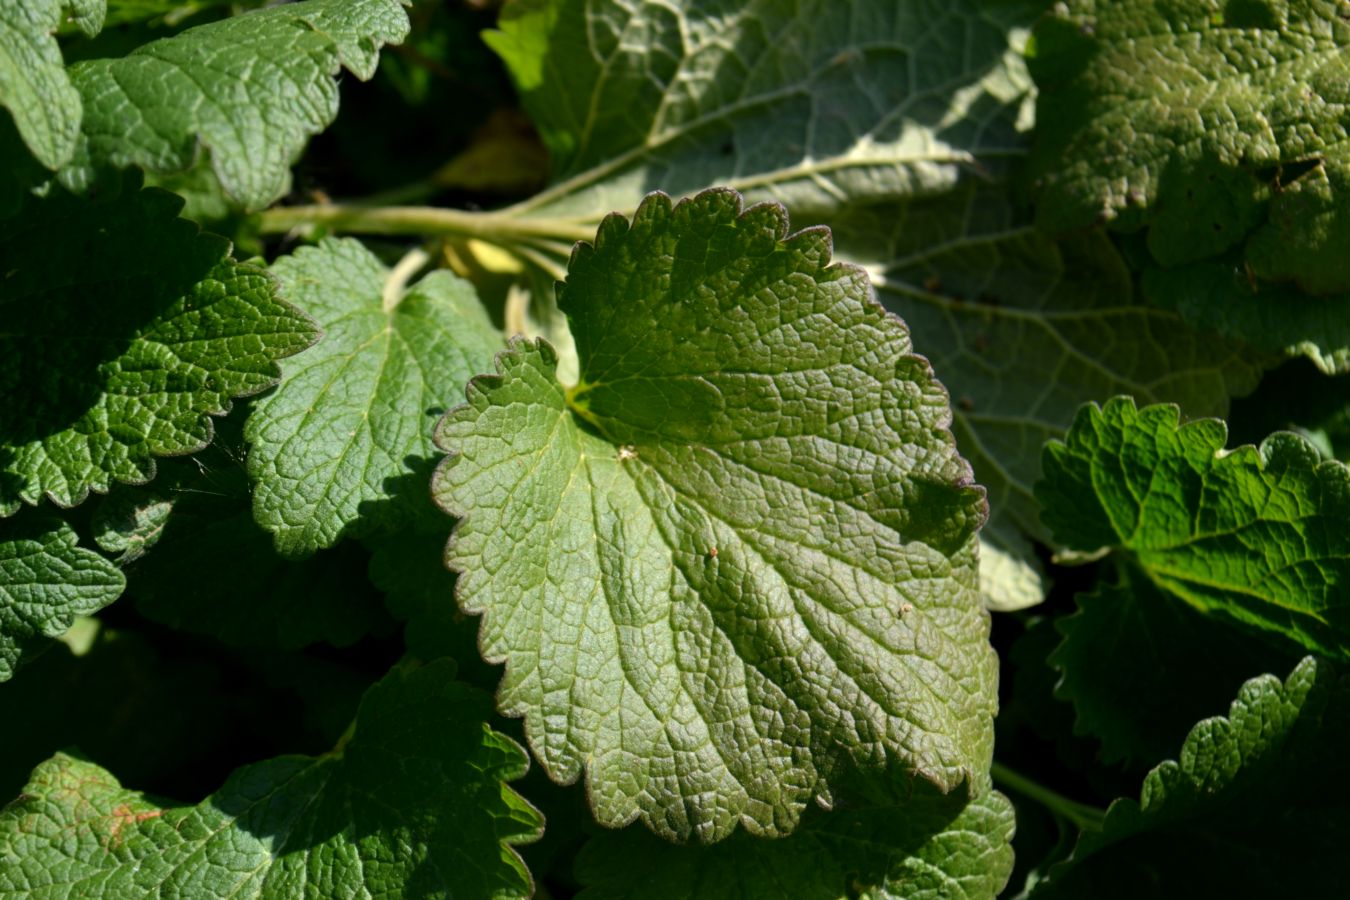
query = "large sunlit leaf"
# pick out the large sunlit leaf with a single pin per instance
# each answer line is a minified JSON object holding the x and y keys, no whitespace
{"x":414,"y":804}
{"x":741,"y":550}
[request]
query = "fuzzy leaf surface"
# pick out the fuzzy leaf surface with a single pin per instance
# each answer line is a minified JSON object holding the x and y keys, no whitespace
{"x":46,"y":580}
{"x":356,"y":412}
{"x":809,"y":103}
{"x":34,"y":86}
{"x":415,"y":804}
{"x":125,"y":330}
{"x":741,"y":549}
{"x":1218,"y":127}
{"x":1023,"y":330}
{"x":927,"y":846}
{"x":249,"y":91}
{"x":1255,"y":537}
{"x":1254,"y":805}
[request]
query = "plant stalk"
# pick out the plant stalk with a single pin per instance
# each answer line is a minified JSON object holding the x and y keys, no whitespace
{"x":1088,"y":818}
{"x":431,"y":221}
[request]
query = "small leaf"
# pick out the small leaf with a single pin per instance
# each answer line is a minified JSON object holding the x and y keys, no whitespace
{"x":46,"y":580}
{"x":356,"y":412}
{"x":741,"y":550}
{"x":125,"y":329}
{"x":34,"y":86}
{"x":1253,"y":537}
{"x":927,"y":846}
{"x":249,"y":91}
{"x":414,"y":803}
{"x":1255,"y":805}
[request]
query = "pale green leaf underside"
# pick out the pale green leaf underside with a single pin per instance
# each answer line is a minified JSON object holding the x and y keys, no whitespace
{"x":811,"y":103}
{"x":1022,"y":331}
{"x":1256,"y":537}
{"x":46,"y":580}
{"x":249,"y":91}
{"x":124,"y":330}
{"x":1254,"y":806}
{"x":414,"y":805}
{"x":1219,"y":127}
{"x":355,"y":412}
{"x":928,"y":848}
{"x":34,"y":86}
{"x":741,"y":549}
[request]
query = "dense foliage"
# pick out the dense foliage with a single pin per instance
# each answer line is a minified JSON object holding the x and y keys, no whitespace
{"x":721,"y":449}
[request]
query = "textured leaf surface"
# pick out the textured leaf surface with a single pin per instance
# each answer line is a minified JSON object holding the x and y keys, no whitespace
{"x":1217,"y":127}
{"x":1254,"y":537}
{"x":814,"y":104}
{"x":196,"y":519}
{"x":248,"y":90}
{"x":46,"y":580}
{"x":356,"y":411}
{"x":930,"y":846}
{"x":34,"y":86}
{"x":1220,"y":296}
{"x":1022,"y":330}
{"x":1180,"y":667}
{"x":1255,"y":804}
{"x":414,"y":805}
{"x":741,"y":548}
{"x":124,"y":330}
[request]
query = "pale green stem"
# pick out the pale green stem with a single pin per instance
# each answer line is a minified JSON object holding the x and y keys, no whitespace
{"x":431,"y":221}
{"x":1088,"y":818}
{"x":395,"y":284}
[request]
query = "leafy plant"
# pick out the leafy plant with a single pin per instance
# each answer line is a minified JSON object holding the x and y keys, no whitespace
{"x":855,"y":358}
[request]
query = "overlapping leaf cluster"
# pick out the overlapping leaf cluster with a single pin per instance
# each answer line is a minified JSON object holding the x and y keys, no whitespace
{"x":883,"y":316}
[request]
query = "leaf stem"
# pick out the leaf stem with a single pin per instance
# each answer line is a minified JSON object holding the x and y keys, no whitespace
{"x":397,"y":281}
{"x":431,"y":221}
{"x":1088,"y":818}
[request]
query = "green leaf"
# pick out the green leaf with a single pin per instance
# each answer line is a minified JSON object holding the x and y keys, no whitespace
{"x":414,"y":804}
{"x":741,"y":550}
{"x":46,"y":580}
{"x":1141,"y":668}
{"x":197,"y":513}
{"x":1252,"y":537}
{"x":34,"y":86}
{"x":1023,"y":330}
{"x":1215,"y":129}
{"x":357,"y":411}
{"x":810,"y":103}
{"x":125,"y":329}
{"x":249,"y":91}
{"x":927,"y":846}
{"x":1255,"y":805}
{"x":1221,"y":296}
